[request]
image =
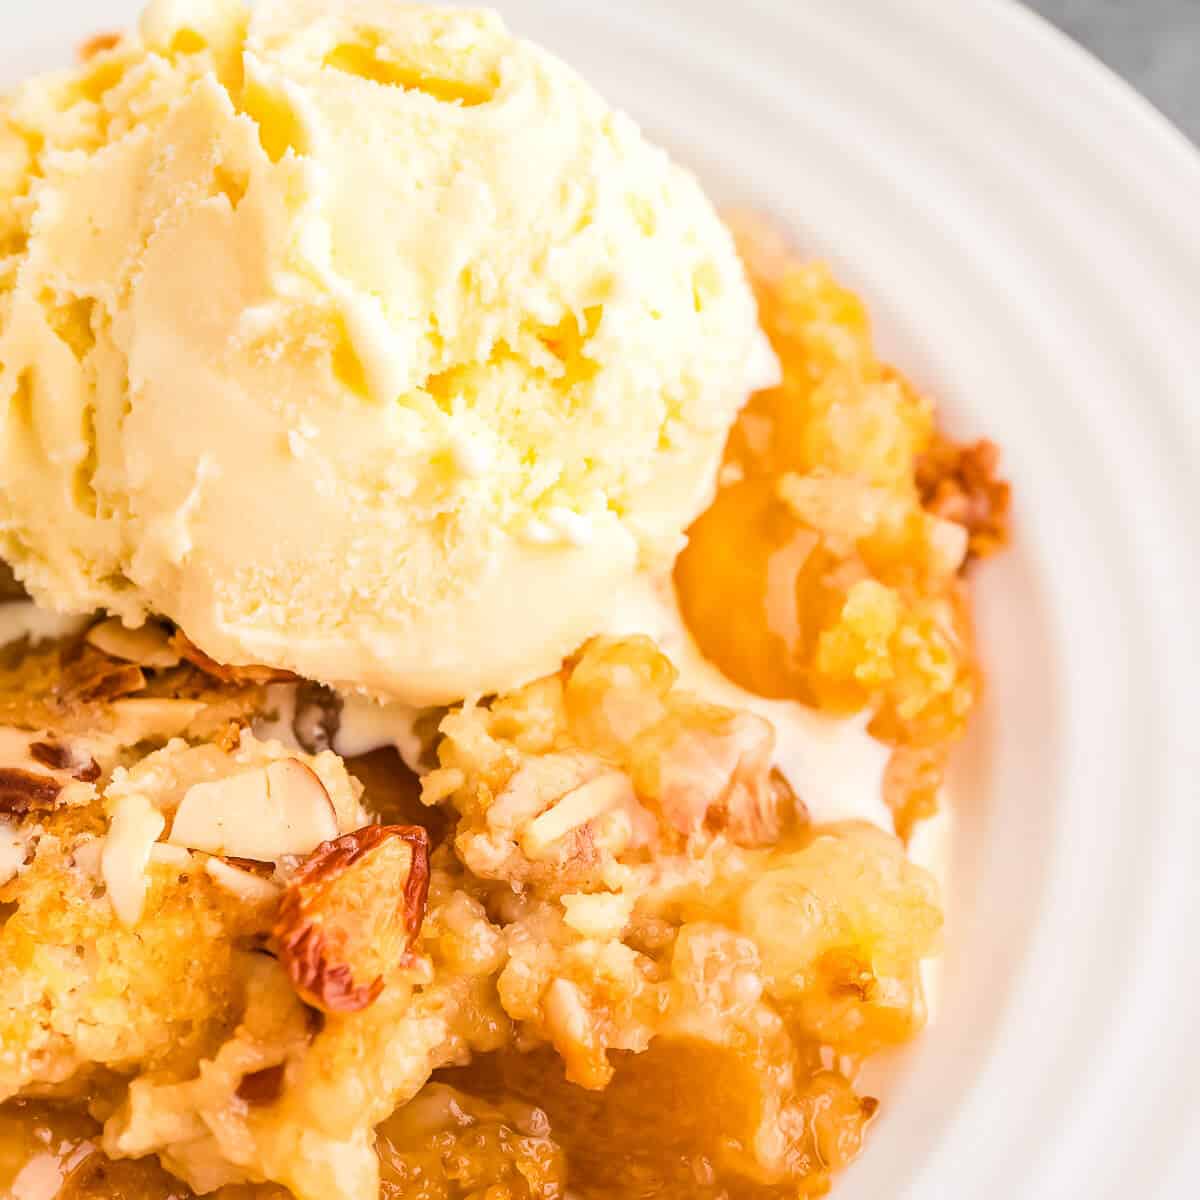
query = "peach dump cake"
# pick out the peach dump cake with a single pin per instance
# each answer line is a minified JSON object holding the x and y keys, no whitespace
{"x":478,"y":697}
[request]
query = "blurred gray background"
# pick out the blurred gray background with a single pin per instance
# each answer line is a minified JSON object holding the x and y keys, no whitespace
{"x":1155,"y":44}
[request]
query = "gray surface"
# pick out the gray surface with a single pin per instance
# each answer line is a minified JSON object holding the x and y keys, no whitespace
{"x":1155,"y":44}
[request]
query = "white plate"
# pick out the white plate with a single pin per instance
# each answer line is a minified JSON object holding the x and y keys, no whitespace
{"x":1026,"y":231}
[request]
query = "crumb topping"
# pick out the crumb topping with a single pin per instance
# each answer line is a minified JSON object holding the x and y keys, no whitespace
{"x":616,"y":883}
{"x":240,"y":964}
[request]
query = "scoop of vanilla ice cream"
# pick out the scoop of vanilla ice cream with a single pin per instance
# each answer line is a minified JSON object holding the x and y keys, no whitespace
{"x":359,"y":338}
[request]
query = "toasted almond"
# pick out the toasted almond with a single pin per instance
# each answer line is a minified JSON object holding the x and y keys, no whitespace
{"x":579,"y":806}
{"x":59,"y":757}
{"x":13,"y":850}
{"x":244,"y":885}
{"x":224,"y":673}
{"x":148,"y":646}
{"x":95,"y":678}
{"x":705,"y":767}
{"x":163,"y":854}
{"x":261,"y":814}
{"x":574,"y":1035}
{"x":136,"y":826}
{"x":40,"y":773}
{"x":86,"y":856}
{"x":23,"y":792}
{"x":351,"y":914}
{"x":146,"y":717}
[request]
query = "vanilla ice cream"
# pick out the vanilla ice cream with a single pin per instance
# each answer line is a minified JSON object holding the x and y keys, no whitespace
{"x":362,"y":339}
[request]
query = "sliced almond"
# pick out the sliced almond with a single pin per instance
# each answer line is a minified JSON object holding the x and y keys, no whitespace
{"x":136,"y":826}
{"x":574,"y":1034}
{"x":142,"y":718}
{"x":148,"y":646}
{"x":245,"y":886}
{"x":95,"y":678}
{"x":13,"y":849}
{"x":579,"y":806}
{"x":86,"y":856}
{"x":260,"y":815}
{"x":165,"y":855}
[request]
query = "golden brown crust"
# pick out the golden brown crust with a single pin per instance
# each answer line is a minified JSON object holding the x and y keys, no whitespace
{"x":355,"y":892}
{"x":961,"y":483}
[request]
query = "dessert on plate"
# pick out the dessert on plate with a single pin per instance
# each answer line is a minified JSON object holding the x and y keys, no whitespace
{"x":496,"y":636}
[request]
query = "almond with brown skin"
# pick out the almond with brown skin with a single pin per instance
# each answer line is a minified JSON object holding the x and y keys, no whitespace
{"x":23,"y":792}
{"x":188,"y":649}
{"x":351,"y":913}
{"x":58,"y":757}
{"x":95,"y":679}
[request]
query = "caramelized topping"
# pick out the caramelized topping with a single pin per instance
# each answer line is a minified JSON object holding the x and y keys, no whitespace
{"x":228,"y":674}
{"x":962,"y":484}
{"x":262,"y":1087}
